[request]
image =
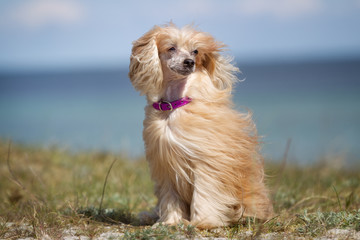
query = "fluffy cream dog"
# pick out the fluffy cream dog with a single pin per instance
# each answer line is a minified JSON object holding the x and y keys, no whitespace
{"x":203,"y":155}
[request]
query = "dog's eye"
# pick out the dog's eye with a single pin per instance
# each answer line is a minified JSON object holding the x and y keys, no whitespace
{"x":172,"y":49}
{"x":195,"y":52}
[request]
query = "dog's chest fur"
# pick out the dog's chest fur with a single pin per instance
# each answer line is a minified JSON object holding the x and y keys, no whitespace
{"x":168,"y":150}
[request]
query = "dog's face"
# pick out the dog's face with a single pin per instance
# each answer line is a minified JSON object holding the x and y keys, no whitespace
{"x":177,"y":52}
{"x":181,"y":51}
{"x":179,"y":59}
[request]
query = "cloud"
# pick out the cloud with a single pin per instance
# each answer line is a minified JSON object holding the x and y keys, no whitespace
{"x":279,"y":8}
{"x":39,"y":13}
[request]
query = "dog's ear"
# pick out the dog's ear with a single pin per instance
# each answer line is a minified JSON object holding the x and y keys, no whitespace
{"x":221,"y":71}
{"x":145,"y":70}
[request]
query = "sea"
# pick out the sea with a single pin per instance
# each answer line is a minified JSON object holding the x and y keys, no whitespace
{"x":306,"y":110}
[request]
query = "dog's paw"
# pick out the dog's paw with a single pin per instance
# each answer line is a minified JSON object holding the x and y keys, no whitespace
{"x":171,"y":218}
{"x":208,"y":223}
{"x":156,"y":225}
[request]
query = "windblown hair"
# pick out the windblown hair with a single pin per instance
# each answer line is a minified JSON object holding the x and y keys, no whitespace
{"x":204,"y":157}
{"x":145,"y":67}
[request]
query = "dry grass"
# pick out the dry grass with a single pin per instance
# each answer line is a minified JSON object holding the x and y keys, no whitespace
{"x":50,"y":192}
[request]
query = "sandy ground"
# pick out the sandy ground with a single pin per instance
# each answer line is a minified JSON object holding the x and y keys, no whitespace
{"x":74,"y":233}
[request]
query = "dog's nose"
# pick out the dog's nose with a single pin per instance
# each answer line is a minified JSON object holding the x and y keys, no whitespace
{"x":189,"y":63}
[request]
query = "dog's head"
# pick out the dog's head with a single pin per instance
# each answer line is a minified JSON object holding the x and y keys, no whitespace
{"x":169,"y":53}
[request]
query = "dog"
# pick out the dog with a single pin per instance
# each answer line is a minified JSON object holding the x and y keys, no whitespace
{"x":203,"y":155}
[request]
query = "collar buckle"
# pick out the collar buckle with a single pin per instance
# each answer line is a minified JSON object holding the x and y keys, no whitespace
{"x":168,"y":103}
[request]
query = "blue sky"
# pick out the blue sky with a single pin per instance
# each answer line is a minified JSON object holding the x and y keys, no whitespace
{"x":50,"y":34}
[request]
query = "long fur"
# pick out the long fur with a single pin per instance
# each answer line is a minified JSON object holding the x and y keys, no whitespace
{"x":204,"y":157}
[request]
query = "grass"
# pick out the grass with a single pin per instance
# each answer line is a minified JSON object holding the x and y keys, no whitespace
{"x":51,"y":192}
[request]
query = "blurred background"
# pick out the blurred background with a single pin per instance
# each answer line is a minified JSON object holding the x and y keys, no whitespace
{"x":64,"y":65}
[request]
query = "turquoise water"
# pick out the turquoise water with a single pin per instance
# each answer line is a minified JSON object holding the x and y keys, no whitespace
{"x":315,"y":104}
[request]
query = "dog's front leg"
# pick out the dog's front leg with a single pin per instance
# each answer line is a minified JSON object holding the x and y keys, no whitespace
{"x":171,"y":209}
{"x":208,"y":209}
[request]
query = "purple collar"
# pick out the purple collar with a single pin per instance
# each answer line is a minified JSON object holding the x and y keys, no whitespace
{"x":169,"y":106}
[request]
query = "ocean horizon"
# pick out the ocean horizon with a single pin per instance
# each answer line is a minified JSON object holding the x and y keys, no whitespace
{"x":316,"y":104}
